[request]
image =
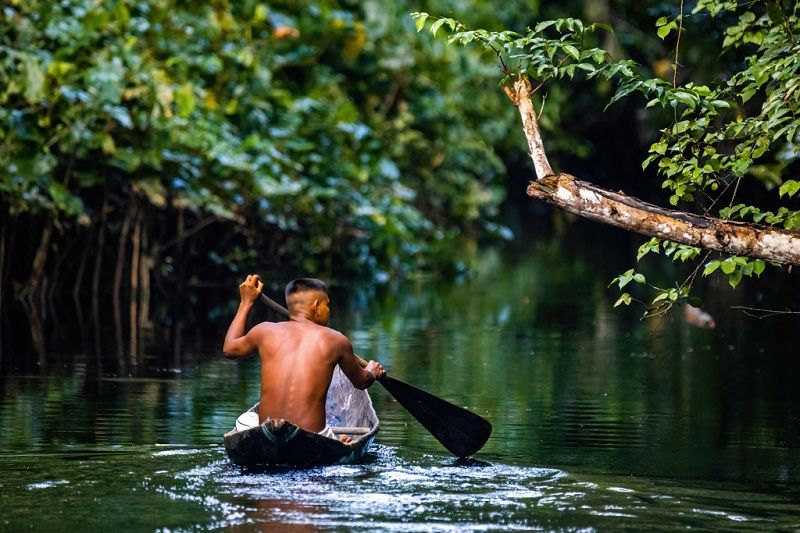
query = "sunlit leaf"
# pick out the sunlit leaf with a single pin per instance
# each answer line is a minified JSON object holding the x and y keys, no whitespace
{"x":436,"y":25}
{"x":711,"y":266}
{"x":789,"y":188}
{"x":34,"y":78}
{"x":728,"y":266}
{"x":572,"y":51}
{"x":420,"y":20}
{"x":625,"y":298}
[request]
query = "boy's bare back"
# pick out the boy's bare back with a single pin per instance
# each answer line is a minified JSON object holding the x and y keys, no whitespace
{"x":297,"y":363}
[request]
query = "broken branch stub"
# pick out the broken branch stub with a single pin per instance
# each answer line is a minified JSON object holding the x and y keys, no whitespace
{"x":520,"y":95}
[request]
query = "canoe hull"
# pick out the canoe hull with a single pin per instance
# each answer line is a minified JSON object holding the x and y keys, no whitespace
{"x":281,"y":443}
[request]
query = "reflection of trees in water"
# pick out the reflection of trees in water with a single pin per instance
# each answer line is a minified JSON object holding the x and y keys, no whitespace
{"x":115,"y":333}
{"x":535,"y":343}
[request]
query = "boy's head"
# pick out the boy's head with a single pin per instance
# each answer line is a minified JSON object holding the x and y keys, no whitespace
{"x":310,"y":296}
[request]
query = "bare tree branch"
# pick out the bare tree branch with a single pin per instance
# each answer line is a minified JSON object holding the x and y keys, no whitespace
{"x":756,"y":312}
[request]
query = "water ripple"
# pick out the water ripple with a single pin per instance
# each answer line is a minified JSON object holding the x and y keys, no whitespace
{"x":395,"y":490}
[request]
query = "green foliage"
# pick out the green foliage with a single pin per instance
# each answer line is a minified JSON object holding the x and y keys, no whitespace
{"x":789,"y":188}
{"x":744,"y":124}
{"x":623,"y":279}
{"x":673,"y":250}
{"x":625,"y":298}
{"x":535,"y":53}
{"x":290,"y":123}
{"x":735,"y":267}
{"x":665,"y":26}
{"x":732,"y":128}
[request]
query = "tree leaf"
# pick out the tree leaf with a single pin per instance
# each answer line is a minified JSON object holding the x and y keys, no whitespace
{"x":735,"y":278}
{"x":789,"y":188}
{"x":711,"y":266}
{"x":728,"y":266}
{"x":420,"y":22}
{"x":436,"y":25}
{"x":572,"y":51}
{"x":663,"y":31}
{"x":108,"y":145}
{"x":624,"y":299}
{"x":184,"y":98}
{"x":34,"y":79}
{"x":661,"y":296}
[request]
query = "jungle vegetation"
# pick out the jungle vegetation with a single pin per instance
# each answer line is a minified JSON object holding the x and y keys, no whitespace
{"x":147,"y":145}
{"x":151,"y":145}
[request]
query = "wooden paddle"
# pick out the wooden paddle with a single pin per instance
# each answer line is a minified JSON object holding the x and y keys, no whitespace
{"x":459,"y":430}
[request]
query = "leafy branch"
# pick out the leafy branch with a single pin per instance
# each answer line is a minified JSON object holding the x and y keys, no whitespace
{"x":744,"y":126}
{"x":551,"y":50}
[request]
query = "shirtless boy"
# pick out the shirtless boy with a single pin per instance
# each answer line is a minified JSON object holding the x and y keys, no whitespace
{"x":297,"y":357}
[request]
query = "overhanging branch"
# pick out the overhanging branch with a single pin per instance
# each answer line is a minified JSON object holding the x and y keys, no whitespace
{"x":617,"y":209}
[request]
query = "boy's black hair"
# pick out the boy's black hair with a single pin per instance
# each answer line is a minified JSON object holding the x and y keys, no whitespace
{"x":305,"y":284}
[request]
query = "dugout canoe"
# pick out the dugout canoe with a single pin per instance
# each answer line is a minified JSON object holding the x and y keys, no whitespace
{"x":348,"y":411}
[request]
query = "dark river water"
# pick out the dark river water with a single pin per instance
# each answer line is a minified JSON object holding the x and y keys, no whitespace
{"x":602,"y":421}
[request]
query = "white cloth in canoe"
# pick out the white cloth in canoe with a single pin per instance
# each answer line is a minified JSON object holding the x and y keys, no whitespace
{"x":249,"y":419}
{"x":345,"y":405}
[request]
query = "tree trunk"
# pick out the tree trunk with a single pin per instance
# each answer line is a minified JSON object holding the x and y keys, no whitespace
{"x":134,"y":293}
{"x":3,"y":224}
{"x":521,"y":96}
{"x":10,"y":236}
{"x":37,"y":333}
{"x":180,"y":283}
{"x":76,"y":288}
{"x":39,"y":261}
{"x":122,"y":246}
{"x":144,"y":279}
{"x":617,"y":209}
{"x":57,"y":273}
{"x":98,"y":263}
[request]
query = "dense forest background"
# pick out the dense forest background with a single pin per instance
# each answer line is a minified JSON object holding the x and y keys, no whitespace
{"x":150,"y":146}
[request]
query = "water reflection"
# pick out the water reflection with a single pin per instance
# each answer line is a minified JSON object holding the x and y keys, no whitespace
{"x":568,"y":381}
{"x":601,"y":420}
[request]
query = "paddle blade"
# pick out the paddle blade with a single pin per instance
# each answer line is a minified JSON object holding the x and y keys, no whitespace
{"x":461,"y":431}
